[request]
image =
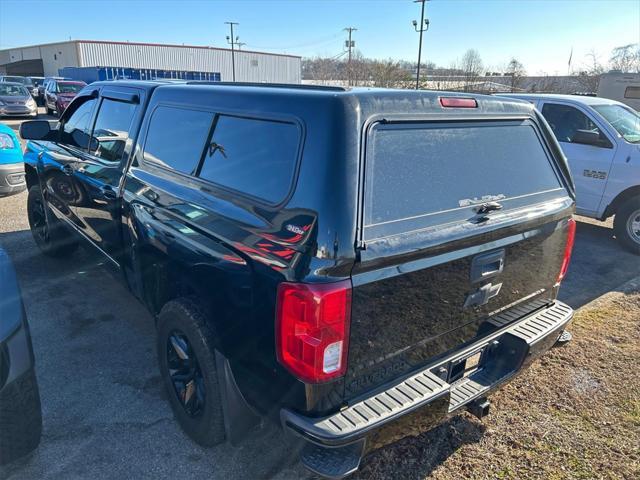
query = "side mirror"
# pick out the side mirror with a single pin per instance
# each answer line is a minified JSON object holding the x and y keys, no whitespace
{"x":590,"y":137}
{"x":37,"y":130}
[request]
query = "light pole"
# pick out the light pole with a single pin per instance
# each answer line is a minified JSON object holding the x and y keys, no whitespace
{"x":424,"y":26}
{"x":232,"y":40}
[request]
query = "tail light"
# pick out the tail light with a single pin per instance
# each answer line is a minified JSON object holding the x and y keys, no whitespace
{"x":571,"y":236}
{"x":312,"y":329}
{"x":458,"y":102}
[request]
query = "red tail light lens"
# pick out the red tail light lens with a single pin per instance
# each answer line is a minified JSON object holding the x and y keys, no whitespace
{"x":458,"y":102}
{"x":312,"y":329}
{"x":571,"y":236}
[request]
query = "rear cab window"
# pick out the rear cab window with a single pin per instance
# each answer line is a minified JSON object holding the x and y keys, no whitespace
{"x":242,"y":150}
{"x":421,"y":175}
{"x":225,"y":150}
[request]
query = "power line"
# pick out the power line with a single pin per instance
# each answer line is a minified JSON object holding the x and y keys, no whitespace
{"x":296,"y":46}
{"x":341,"y":54}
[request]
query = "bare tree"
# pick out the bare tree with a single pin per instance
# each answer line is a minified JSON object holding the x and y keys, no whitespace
{"x":388,"y":74}
{"x":472,"y":66}
{"x":516,"y":71}
{"x":589,"y":77}
{"x":322,"y":69}
{"x":360,"y":67}
{"x":545,"y":84}
{"x":626,"y":58}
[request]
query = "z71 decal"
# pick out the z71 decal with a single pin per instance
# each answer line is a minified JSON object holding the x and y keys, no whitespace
{"x":595,"y":174}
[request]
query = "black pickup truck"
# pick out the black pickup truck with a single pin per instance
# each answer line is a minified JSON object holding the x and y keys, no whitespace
{"x":337,"y":260}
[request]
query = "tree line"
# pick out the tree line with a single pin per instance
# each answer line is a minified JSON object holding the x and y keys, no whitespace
{"x":469,"y":73}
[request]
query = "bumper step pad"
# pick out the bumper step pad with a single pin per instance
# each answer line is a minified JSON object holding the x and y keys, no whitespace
{"x":524,"y":335}
{"x":332,"y":462}
{"x":334,"y":441}
{"x":413,"y":392}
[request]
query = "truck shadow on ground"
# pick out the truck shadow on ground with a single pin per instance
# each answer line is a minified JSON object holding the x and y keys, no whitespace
{"x":598,"y":264}
{"x":424,"y":452}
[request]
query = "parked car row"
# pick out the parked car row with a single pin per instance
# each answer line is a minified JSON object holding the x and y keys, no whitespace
{"x":54,"y":93}
{"x":26,"y":81}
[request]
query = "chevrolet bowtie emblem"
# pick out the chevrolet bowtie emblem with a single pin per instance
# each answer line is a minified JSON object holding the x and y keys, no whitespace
{"x":482,"y":295}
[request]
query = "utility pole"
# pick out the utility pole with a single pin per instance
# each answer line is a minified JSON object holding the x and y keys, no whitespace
{"x":233,"y":41}
{"x":424,"y":26}
{"x":349,"y":44}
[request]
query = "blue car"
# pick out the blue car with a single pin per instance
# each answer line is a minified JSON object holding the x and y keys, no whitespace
{"x":11,"y":163}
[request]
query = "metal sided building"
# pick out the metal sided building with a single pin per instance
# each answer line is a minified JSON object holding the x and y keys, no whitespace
{"x":186,"y":61}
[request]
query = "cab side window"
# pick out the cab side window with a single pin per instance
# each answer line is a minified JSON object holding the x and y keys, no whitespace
{"x":76,"y":129}
{"x":111,"y":130}
{"x":183,"y":147}
{"x":565,"y":121}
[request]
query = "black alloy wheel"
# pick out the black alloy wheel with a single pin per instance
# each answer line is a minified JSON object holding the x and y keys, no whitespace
{"x":39,"y":222}
{"x":185,"y":373}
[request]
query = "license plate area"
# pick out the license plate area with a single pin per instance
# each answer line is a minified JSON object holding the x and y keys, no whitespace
{"x":466,"y":366}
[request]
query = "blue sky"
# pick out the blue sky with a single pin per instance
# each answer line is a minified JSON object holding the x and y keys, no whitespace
{"x":540,"y":33}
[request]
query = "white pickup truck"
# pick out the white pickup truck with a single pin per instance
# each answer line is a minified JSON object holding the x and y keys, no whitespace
{"x":601,"y":140}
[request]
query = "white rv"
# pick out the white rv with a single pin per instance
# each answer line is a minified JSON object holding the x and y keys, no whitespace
{"x":622,"y":87}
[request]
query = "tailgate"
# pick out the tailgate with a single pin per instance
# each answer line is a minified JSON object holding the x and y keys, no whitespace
{"x":461,"y":221}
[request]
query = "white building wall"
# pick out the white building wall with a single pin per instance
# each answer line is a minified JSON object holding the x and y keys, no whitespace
{"x":250,"y":66}
{"x":53,"y":55}
{"x":56,"y":56}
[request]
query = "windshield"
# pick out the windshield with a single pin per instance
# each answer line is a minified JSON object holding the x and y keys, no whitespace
{"x":23,"y":80}
{"x":624,"y":120}
{"x":69,"y":87}
{"x":13,"y":91}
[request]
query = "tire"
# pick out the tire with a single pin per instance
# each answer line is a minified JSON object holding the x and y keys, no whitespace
{"x":50,"y":236}
{"x":626,"y":225}
{"x":20,"y":418}
{"x":182,"y":326}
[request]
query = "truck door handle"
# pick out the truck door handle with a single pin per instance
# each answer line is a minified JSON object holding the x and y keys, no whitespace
{"x":108,"y":192}
{"x":67,"y":170}
{"x":487,"y":265}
